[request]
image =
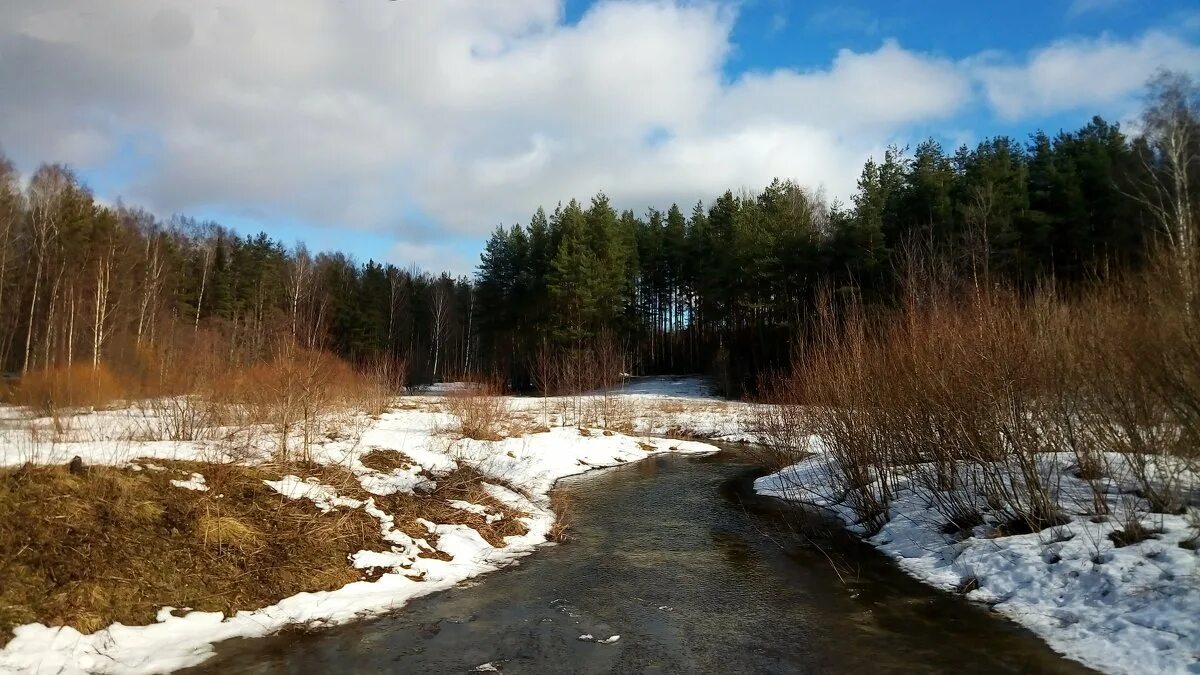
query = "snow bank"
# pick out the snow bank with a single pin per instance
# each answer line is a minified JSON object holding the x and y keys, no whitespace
{"x":1131,"y":609}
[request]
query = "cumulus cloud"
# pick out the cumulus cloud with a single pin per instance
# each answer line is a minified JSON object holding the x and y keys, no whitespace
{"x":472,"y":112}
{"x":1075,"y":74}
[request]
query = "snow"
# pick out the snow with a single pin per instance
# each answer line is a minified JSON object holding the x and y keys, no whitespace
{"x":528,"y":466}
{"x":1131,"y":609}
{"x":195,"y":482}
{"x":474,"y":508}
{"x":588,"y":637}
{"x":325,"y":497}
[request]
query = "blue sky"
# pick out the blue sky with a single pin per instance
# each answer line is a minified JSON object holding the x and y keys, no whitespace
{"x":406,"y":131}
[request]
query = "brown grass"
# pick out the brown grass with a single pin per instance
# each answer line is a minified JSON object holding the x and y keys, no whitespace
{"x":47,"y":391}
{"x":1133,"y":532}
{"x":116,"y":545}
{"x":482,"y":412}
{"x":560,"y":504}
{"x":300,"y":395}
{"x":385,"y":460}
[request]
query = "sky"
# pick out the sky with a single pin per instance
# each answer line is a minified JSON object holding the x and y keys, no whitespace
{"x":405,"y":131}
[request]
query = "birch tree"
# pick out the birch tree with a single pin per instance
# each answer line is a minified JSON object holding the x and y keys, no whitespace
{"x":1170,"y":131}
{"x":48,"y":192}
{"x":300,"y":273}
{"x":441,"y":317}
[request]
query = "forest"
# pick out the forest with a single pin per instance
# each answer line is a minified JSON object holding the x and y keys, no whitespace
{"x":725,"y":287}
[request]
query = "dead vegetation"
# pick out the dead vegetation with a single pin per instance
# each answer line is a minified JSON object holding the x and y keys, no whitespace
{"x":294,"y":398}
{"x":968,"y":393}
{"x":385,"y":461}
{"x":560,"y":504}
{"x":114,"y":544}
{"x":587,"y":379}
{"x":463,"y":484}
{"x":481,"y":412}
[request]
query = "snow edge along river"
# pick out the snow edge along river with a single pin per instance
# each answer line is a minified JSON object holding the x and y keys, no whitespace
{"x":1129,"y":609}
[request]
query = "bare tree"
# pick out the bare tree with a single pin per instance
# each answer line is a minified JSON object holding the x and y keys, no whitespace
{"x":153,"y":273}
{"x":101,"y":309}
{"x":48,"y":191}
{"x":204,"y":238}
{"x":396,"y":302}
{"x":299,"y":279}
{"x":470,"y":319}
{"x":545,"y":370}
{"x":441,"y":316}
{"x":980,"y":204}
{"x":1172,"y":139}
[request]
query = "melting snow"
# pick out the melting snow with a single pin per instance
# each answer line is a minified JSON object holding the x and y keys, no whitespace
{"x":195,"y":482}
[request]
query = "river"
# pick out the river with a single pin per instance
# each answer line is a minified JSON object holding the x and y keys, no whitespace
{"x":696,"y":575}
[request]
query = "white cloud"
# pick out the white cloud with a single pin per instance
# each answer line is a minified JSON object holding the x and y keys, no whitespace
{"x":433,"y":258}
{"x":1076,"y":74}
{"x":473,"y":112}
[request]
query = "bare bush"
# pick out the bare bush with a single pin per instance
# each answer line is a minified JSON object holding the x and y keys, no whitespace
{"x":52,"y":389}
{"x":481,"y":411}
{"x":971,"y":396}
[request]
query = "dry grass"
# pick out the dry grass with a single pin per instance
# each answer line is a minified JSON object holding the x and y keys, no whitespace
{"x":300,"y":395}
{"x":1133,"y":532}
{"x":385,"y":460}
{"x":116,"y":545}
{"x":53,"y":389}
{"x":482,"y":412}
{"x":560,"y":504}
{"x":296,"y":396}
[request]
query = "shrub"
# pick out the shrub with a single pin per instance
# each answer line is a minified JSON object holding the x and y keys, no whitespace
{"x":80,"y":385}
{"x":481,"y":411}
{"x":968,"y":394}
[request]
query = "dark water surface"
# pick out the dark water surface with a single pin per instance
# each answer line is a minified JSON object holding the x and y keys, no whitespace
{"x":696,"y":575}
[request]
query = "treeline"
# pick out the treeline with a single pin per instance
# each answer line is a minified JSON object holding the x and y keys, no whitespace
{"x":731,"y":283}
{"x":83,"y":283}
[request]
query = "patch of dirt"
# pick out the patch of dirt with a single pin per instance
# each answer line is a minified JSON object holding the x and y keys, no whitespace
{"x":385,"y":460}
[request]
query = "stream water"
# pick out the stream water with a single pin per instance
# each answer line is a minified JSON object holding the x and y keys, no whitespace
{"x":695,"y":574}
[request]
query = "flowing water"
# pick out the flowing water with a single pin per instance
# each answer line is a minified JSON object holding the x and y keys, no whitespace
{"x":695,"y":574}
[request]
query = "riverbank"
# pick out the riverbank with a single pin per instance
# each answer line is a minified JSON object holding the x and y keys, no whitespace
{"x":1115,"y":604}
{"x":402,"y":505}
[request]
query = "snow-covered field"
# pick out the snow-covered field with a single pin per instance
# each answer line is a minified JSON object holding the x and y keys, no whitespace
{"x":530,"y":462}
{"x":1130,"y":609}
